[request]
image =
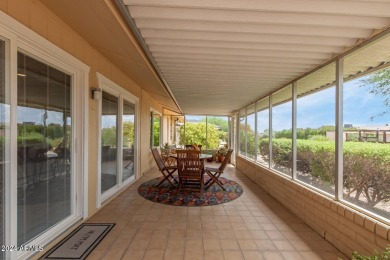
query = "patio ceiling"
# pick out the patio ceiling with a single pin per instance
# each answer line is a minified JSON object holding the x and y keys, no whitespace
{"x":219,"y":56}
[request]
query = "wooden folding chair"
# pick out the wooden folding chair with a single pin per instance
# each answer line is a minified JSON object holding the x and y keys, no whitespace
{"x":166,"y":171}
{"x":190,"y":170}
{"x":215,"y":173}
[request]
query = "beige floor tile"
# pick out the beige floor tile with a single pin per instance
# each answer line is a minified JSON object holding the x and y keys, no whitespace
{"x":154,"y":255}
{"x":97,"y":254}
{"x":193,"y":254}
{"x":213,"y":255}
{"x":272,"y":256}
{"x":226,"y":234}
{"x":161,"y":234}
{"x":247,"y":244}
{"x":268,"y":227}
{"x":295,"y":255}
{"x":232,"y":213}
{"x":248,"y":219}
{"x":252,"y":255}
{"x":258,"y":234}
{"x":196,"y":244}
{"x":232,"y":255}
{"x":211,"y":244}
{"x":210,"y":234}
{"x":243,"y":234}
{"x":265,"y":244}
{"x":311,"y":255}
{"x":240,"y":226}
{"x":283,"y":245}
{"x":174,"y":243}
{"x":193,"y":233}
{"x":277,"y":235}
{"x":157,"y":243}
{"x":229,"y":244}
{"x":175,"y":254}
{"x":134,"y":254}
{"x":235,"y":219}
{"x":263,"y":220}
{"x":141,"y":243}
{"x":178,"y":233}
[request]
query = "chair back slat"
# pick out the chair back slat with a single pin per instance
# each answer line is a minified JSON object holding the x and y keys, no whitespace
{"x":157,"y":158}
{"x":226,"y":160}
{"x":188,"y":162}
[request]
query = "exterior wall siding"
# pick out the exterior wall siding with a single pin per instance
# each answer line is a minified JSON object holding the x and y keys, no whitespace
{"x":345,"y":228}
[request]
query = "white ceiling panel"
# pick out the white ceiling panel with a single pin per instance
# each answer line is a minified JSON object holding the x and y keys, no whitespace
{"x":217,"y":56}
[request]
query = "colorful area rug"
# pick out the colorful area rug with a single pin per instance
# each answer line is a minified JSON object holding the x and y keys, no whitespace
{"x":166,"y":194}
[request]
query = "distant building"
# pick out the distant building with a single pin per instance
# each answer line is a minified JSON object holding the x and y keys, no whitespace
{"x":371,"y":133}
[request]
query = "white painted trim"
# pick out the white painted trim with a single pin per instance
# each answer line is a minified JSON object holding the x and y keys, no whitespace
{"x":23,"y":39}
{"x":114,"y":89}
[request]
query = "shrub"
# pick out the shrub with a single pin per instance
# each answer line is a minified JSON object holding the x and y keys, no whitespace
{"x":366,"y":165}
{"x":375,"y":256}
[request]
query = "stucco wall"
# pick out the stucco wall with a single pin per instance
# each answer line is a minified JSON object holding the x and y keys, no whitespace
{"x":40,"y":19}
{"x":345,"y":228}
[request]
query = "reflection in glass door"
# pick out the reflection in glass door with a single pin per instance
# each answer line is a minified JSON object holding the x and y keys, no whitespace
{"x":109,"y":141}
{"x":128,"y":126}
{"x":4,"y":125}
{"x":44,"y":124}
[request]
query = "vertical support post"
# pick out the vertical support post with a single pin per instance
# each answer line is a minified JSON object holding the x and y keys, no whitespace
{"x":207,"y":135}
{"x":339,"y":130}
{"x":270,"y":132}
{"x":237,"y":133}
{"x":255,"y":144}
{"x":245,"y":129}
{"x":294,"y":131}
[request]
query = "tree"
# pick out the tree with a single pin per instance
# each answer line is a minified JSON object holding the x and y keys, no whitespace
{"x":379,"y":84}
{"x":221,"y":124}
{"x":195,"y":133}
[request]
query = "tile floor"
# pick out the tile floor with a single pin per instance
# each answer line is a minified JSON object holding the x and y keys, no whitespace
{"x":255,"y":226}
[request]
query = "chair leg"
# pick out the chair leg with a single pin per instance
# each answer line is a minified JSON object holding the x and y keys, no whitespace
{"x":214,"y":179}
{"x":166,"y":178}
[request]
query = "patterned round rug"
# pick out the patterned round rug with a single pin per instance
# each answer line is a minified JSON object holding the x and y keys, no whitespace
{"x":166,"y":194}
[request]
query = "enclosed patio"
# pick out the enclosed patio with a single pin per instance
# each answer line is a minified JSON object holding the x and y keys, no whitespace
{"x":294,"y":96}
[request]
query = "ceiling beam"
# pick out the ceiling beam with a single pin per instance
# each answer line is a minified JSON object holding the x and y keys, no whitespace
{"x":176,"y":24}
{"x":362,"y":8}
{"x":250,"y":16}
{"x":266,"y":62}
{"x":235,"y":58}
{"x":233,"y":73}
{"x":247,"y":37}
{"x":153,"y":42}
{"x":239,"y":52}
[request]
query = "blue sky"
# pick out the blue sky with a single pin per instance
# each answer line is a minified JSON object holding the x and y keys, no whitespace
{"x":318,"y":109}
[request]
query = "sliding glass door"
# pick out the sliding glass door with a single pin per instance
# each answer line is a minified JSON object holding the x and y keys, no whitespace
{"x":43,"y":94}
{"x":118,"y":139}
{"x":4,"y":137}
